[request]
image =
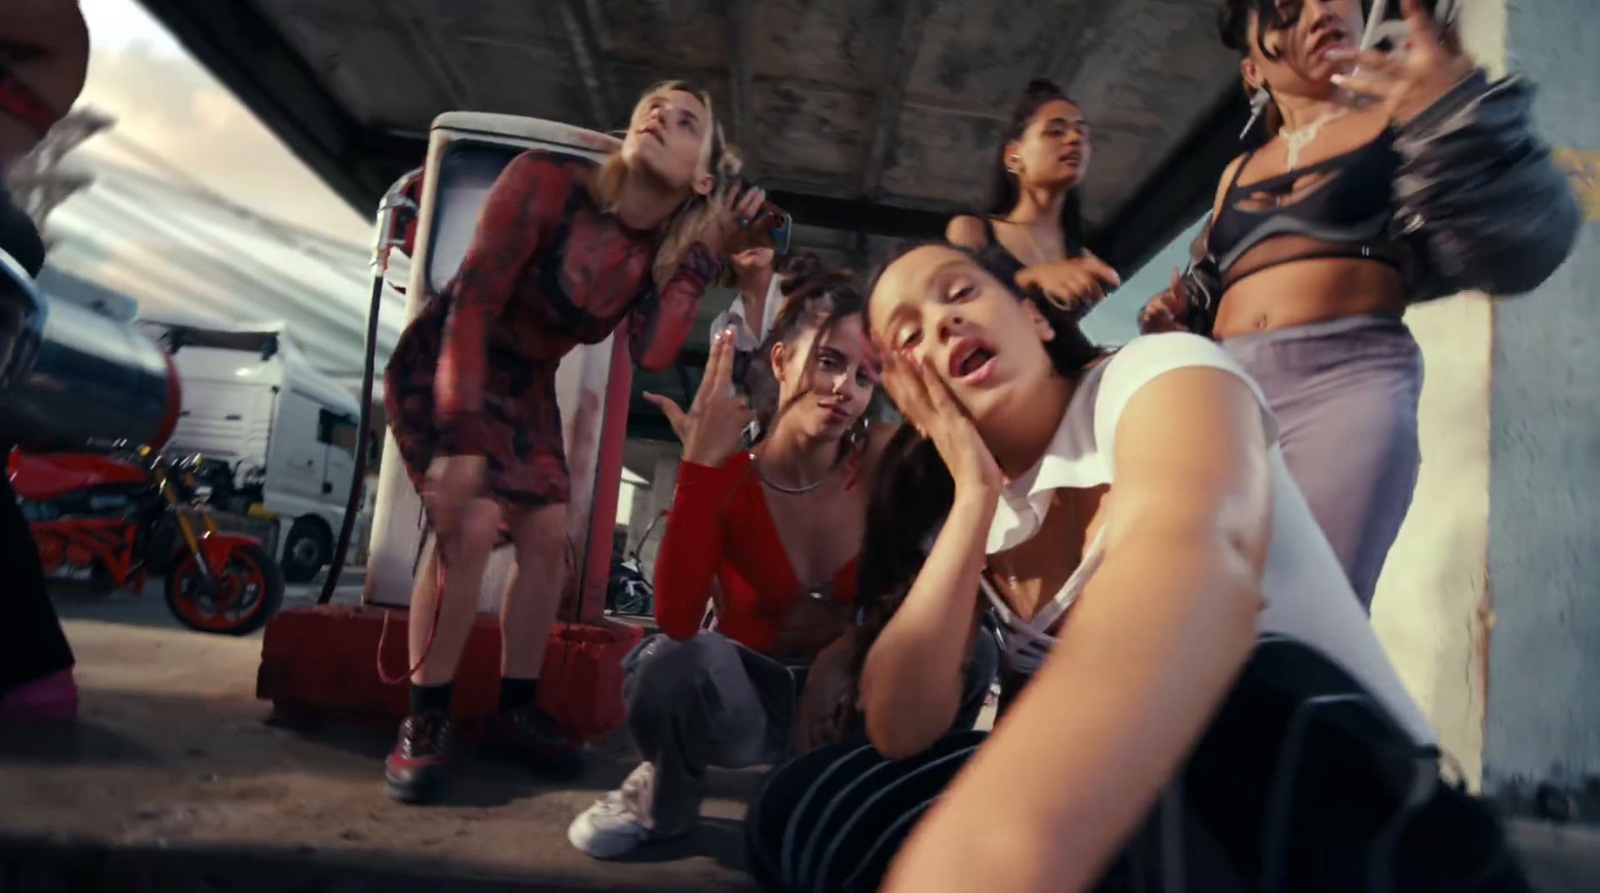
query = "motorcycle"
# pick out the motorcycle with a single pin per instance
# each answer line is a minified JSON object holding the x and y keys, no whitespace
{"x":628,"y":593}
{"x":109,"y":520}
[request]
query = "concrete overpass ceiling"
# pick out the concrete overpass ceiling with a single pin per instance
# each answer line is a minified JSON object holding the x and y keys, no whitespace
{"x":875,"y":119}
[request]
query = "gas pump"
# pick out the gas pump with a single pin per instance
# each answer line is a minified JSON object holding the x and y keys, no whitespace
{"x":319,"y":661}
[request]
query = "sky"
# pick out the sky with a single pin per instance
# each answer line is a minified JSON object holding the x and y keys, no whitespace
{"x":168,"y":104}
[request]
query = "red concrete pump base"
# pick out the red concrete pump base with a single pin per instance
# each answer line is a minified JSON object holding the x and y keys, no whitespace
{"x":319,"y":664}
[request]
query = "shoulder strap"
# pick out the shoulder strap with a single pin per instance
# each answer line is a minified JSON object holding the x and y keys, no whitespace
{"x":1239,"y":171}
{"x":988,"y":229}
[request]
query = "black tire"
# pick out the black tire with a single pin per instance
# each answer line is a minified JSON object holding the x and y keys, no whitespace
{"x":247,"y":559}
{"x":307,"y":550}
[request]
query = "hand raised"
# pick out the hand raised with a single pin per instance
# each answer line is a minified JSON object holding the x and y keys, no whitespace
{"x":1167,"y":311}
{"x":1410,"y":81}
{"x":1075,"y":284}
{"x":714,"y":426}
{"x":734,"y":213}
{"x":926,"y":402}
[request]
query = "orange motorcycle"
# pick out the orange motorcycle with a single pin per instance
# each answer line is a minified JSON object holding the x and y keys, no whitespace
{"x":109,"y":520}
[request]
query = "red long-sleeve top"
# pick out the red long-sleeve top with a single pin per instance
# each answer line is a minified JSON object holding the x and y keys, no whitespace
{"x":547,"y":270}
{"x":720,"y":528}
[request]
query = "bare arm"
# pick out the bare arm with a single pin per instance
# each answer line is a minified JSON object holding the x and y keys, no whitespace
{"x":1168,"y":311}
{"x":1142,"y":664}
{"x":911,"y":681}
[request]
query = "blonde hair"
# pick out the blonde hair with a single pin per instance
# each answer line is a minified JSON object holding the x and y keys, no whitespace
{"x":695,"y":214}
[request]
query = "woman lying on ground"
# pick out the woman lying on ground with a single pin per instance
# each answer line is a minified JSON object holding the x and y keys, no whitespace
{"x":1406,"y":181}
{"x":1034,"y":220}
{"x":774,"y":531}
{"x":1184,"y":633}
{"x":565,"y":253}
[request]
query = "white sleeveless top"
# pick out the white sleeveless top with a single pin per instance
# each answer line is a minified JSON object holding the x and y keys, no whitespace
{"x":1307,"y":595}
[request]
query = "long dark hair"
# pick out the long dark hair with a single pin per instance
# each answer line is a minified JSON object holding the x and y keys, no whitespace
{"x":1005,"y":193}
{"x":815,"y":298}
{"x":913,"y":491}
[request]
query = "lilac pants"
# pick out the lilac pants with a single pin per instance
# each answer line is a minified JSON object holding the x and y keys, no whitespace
{"x":1345,"y":394}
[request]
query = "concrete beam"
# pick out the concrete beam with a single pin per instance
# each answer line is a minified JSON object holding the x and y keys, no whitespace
{"x":585,"y":49}
{"x":432,"y":55}
{"x":1177,"y":194}
{"x":245,"y":51}
{"x":741,"y":79}
{"x":1077,"y":43}
{"x":892,"y":97}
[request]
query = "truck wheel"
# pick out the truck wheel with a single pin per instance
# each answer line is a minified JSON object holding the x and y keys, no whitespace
{"x":307,"y":550}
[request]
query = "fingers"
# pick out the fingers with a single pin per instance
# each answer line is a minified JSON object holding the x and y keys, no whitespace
{"x":1365,"y":62}
{"x":1373,"y":85}
{"x":1419,"y":21}
{"x":722,"y":374}
{"x":719,"y":367}
{"x":667,"y":405}
{"x":940,"y":400}
{"x":905,"y":387}
{"x":749,"y":207}
{"x":1100,"y":270}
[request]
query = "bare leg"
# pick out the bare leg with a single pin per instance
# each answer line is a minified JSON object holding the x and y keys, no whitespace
{"x":520,"y":729}
{"x":469,"y":553}
{"x":529,"y":608}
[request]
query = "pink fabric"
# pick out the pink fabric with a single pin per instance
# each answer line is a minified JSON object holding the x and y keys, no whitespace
{"x":51,"y":699}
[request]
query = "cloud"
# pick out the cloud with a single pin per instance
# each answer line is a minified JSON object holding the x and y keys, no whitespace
{"x":167,"y":104}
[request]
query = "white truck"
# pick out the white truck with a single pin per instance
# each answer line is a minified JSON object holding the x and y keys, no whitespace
{"x":288,"y":431}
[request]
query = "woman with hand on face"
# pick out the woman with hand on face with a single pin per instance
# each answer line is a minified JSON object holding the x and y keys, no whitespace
{"x":1034,"y":222}
{"x":1190,"y":683}
{"x":774,"y":531}
{"x":565,"y":253}
{"x":1396,"y":181}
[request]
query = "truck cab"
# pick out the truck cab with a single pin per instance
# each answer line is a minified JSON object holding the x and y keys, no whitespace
{"x":288,"y":431}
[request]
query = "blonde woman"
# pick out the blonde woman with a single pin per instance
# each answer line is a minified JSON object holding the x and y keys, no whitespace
{"x":566,"y":251}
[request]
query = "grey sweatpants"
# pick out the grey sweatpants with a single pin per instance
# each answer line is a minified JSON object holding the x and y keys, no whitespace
{"x":1345,"y":395}
{"x":710,"y":701}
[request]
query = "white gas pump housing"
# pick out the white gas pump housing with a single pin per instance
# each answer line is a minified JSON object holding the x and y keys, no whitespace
{"x":466,"y":152}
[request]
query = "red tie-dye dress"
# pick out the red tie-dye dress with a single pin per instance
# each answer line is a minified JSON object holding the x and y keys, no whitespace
{"x":547,"y":270}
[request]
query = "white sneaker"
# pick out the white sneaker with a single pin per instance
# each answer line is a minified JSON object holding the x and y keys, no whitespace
{"x":620,"y":821}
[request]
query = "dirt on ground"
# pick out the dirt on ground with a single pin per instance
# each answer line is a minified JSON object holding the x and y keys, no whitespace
{"x":172,"y":750}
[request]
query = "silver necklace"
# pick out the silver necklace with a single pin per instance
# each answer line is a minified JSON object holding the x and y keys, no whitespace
{"x":1296,"y":140}
{"x":1004,"y":565}
{"x":782,"y":488}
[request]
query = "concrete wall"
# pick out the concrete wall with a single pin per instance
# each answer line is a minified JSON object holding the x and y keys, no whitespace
{"x":1433,"y":609}
{"x":1490,"y":601}
{"x":1544,"y":543}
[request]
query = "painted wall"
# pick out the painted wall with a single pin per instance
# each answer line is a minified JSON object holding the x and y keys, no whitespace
{"x":1544,"y":544}
{"x":1432,"y":609}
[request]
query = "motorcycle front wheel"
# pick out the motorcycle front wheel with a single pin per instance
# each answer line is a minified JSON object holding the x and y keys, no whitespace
{"x":245,"y":593}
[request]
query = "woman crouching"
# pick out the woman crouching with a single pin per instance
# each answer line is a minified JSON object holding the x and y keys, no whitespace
{"x":773,"y":532}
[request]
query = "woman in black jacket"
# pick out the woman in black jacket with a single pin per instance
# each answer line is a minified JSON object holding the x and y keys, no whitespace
{"x":1395,"y":181}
